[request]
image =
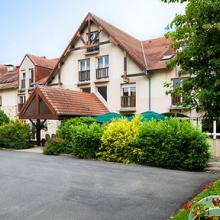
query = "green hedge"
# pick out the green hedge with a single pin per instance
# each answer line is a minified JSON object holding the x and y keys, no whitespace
{"x":79,"y":136}
{"x":15,"y":135}
{"x":3,"y":118}
{"x":171,"y":143}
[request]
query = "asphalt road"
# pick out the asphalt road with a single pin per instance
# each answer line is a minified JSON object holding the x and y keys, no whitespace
{"x":39,"y":187}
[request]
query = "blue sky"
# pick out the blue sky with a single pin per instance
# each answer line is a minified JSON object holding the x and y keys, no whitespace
{"x":44,"y":27}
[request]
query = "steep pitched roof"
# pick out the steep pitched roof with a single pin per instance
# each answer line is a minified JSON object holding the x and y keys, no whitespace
{"x":65,"y":102}
{"x":140,"y":54}
{"x":43,"y":61}
{"x":154,"y":50}
{"x":9,"y":80}
{"x":3,"y":69}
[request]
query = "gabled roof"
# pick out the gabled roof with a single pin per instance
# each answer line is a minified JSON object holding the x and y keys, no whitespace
{"x":61,"y":103}
{"x":139,"y":51}
{"x":42,"y":61}
{"x":9,"y":80}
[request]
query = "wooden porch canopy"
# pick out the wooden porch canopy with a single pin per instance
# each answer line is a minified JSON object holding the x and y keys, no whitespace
{"x":56,"y":103}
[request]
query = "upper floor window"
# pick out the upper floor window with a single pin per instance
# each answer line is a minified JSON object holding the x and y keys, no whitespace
{"x":177,"y":82}
{"x":84,"y":70}
{"x":23,"y":80}
{"x":21,"y":101}
{"x":128,"y":95}
{"x":31,"y":80}
{"x":102,"y":67}
{"x":93,"y":38}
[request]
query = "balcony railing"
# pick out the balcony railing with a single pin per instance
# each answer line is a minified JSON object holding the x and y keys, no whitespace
{"x":175,"y":100}
{"x":84,"y":75}
{"x":23,"y":83}
{"x":102,"y":73}
{"x":128,"y":101}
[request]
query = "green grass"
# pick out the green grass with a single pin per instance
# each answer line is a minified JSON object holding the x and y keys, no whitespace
{"x":182,"y":214}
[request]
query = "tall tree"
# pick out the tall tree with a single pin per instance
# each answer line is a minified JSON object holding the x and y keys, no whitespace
{"x":196,"y":39}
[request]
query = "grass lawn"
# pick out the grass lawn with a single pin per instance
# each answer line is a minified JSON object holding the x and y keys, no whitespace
{"x":207,"y":189}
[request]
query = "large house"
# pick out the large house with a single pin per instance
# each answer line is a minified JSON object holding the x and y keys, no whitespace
{"x":102,"y":69}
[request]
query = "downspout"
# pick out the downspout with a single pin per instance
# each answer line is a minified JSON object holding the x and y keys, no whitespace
{"x":148,"y":76}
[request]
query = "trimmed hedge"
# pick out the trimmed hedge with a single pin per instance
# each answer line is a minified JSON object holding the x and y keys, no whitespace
{"x":15,"y":134}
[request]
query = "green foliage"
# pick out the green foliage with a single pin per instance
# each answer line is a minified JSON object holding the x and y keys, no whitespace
{"x":195,"y":36}
{"x":55,"y":146}
{"x":65,"y":130}
{"x":86,"y":140}
{"x":3,"y":118}
{"x":118,"y":141}
{"x":15,"y":134}
{"x":173,"y":144}
{"x":170,"y":143}
{"x":80,"y":136}
{"x":183,"y":214}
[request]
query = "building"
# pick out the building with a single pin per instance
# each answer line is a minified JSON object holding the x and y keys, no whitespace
{"x":125,"y":75}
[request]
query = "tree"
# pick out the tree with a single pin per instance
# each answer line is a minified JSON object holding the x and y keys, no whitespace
{"x":195,"y":36}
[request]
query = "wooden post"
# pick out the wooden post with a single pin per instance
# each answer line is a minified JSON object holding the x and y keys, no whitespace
{"x":38,"y":132}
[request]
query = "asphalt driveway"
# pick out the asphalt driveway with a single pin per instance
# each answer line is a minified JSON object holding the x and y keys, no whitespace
{"x":39,"y":187}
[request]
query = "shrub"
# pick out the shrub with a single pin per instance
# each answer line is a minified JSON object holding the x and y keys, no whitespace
{"x":3,"y":118}
{"x":86,"y":140}
{"x":65,"y":129}
{"x":55,"y":146}
{"x":15,"y":134}
{"x":118,"y":141}
{"x":173,"y":144}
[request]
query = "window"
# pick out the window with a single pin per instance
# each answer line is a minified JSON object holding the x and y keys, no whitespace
{"x":102,"y":67}
{"x":175,"y":99}
{"x":93,"y":39}
{"x":86,"y":89}
{"x":0,"y":101}
{"x":128,"y":95}
{"x":103,"y":91}
{"x":84,"y":70}
{"x":102,"y":62}
{"x":84,"y":65}
{"x":31,"y":80}
{"x":23,"y":80}
{"x":22,"y":100}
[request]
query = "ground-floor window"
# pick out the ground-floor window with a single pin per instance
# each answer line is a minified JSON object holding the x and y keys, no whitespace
{"x":103,"y":91}
{"x":128,"y":95}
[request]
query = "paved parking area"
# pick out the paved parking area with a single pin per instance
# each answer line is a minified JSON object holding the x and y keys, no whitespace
{"x":38,"y":187}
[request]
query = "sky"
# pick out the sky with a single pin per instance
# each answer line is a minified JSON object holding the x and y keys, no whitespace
{"x":45,"y":27}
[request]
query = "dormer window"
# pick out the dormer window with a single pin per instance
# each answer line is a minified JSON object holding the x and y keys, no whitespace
{"x":167,"y":57}
{"x":31,"y":80}
{"x":93,"y":40}
{"x":23,"y":80}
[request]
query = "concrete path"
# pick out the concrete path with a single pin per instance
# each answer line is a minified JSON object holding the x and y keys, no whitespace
{"x":38,"y":150}
{"x":38,"y":187}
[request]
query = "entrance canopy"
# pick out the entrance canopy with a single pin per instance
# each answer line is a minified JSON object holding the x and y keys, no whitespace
{"x":56,"y":103}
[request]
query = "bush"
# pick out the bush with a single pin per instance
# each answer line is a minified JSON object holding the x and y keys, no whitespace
{"x":3,"y":118}
{"x":66,"y":129}
{"x":55,"y":146}
{"x":86,"y":140}
{"x":79,"y":136}
{"x":173,"y":144}
{"x":15,"y":134}
{"x":118,"y":141}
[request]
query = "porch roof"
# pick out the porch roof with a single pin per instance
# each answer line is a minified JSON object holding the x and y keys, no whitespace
{"x":56,"y":103}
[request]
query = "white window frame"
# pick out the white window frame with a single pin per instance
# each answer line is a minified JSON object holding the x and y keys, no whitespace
{"x":84,"y":65}
{"x":129,"y":86}
{"x":102,"y":62}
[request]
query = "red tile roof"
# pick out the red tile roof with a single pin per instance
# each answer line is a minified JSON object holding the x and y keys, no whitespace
{"x":3,"y":69}
{"x":9,"y":80}
{"x":152,"y":50}
{"x":43,"y":61}
{"x":69,"y":102}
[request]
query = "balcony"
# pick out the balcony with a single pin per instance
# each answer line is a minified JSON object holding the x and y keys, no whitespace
{"x":102,"y":73}
{"x":128,"y":101}
{"x":23,"y":84}
{"x":84,"y":75}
